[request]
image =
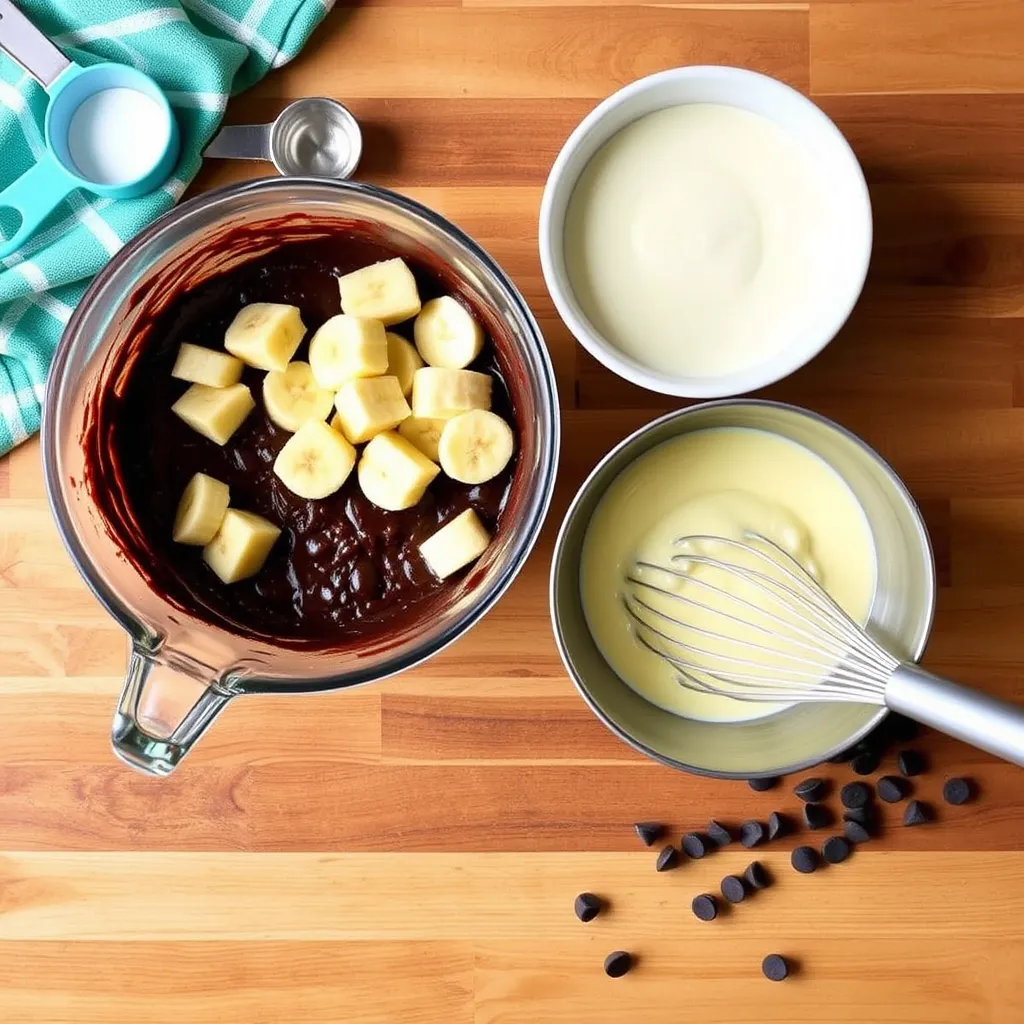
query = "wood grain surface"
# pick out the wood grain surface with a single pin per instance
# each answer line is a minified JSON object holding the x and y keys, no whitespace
{"x":410,"y":852}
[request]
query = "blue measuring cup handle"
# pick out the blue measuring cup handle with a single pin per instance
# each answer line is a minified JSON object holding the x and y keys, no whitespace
{"x":34,"y":196}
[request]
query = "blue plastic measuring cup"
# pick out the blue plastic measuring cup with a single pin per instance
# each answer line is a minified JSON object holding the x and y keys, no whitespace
{"x":35,"y":194}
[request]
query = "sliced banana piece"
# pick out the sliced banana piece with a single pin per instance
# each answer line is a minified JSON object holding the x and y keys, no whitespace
{"x":315,"y":461}
{"x":403,"y":361}
{"x":455,"y":545}
{"x":215,"y":413}
{"x":345,"y":347}
{"x":423,"y":433}
{"x":439,"y":393}
{"x":384,"y":291}
{"x":265,"y":334}
{"x":201,"y":510}
{"x":369,"y":405}
{"x":292,"y":397}
{"x":446,"y":334}
{"x":207,"y":366}
{"x":393,"y":473}
{"x":476,"y":446}
{"x":240,"y":546}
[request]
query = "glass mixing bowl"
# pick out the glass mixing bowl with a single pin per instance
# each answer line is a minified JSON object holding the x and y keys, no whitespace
{"x":182,"y":670}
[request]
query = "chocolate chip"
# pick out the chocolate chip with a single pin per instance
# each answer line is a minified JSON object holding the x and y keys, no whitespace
{"x":957,"y":791}
{"x":835,"y":849}
{"x":866,"y":763}
{"x":587,"y":906}
{"x":916,"y":813}
{"x":811,"y":790}
{"x":911,"y":762}
{"x":862,"y":815}
{"x":733,"y":889}
{"x":774,"y":967}
{"x":751,"y":833}
{"x":891,"y":788}
{"x":705,"y":907}
{"x":817,"y":816}
{"x":718,"y":833}
{"x":804,"y":859}
{"x":667,"y":859}
{"x":855,"y":794}
{"x":618,"y":963}
{"x":756,"y":876}
{"x":855,"y":832}
{"x":842,"y":757}
{"x":778,"y":825}
{"x":762,"y":784}
{"x":649,"y":832}
{"x":695,"y":845}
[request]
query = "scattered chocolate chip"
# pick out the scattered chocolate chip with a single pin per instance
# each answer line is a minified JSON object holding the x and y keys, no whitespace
{"x":667,"y":859}
{"x":718,"y":833}
{"x":855,"y":832}
{"x":842,"y":757}
{"x":910,"y":763}
{"x":705,"y":907}
{"x":817,"y":816}
{"x":835,"y":849}
{"x":649,"y":832}
{"x":901,"y":729}
{"x":855,"y":794}
{"x":760,"y":785}
{"x":695,"y":845}
{"x":618,"y":963}
{"x":756,"y":875}
{"x":751,"y":833}
{"x":916,"y":813}
{"x":804,"y":859}
{"x":774,"y":967}
{"x":891,"y":788}
{"x":778,"y":825}
{"x":587,"y":906}
{"x":866,"y":763}
{"x":957,"y":791}
{"x":862,"y":815}
{"x":733,"y":889}
{"x":811,"y":790}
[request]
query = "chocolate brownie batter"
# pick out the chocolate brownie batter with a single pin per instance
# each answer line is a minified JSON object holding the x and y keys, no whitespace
{"x":342,"y":568}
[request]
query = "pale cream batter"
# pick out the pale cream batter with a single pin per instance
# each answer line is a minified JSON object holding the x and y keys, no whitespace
{"x":720,"y":482}
{"x":694,"y":237}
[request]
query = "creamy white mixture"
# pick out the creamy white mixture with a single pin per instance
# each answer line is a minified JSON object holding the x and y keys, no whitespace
{"x":720,"y":482}
{"x":694,"y":239}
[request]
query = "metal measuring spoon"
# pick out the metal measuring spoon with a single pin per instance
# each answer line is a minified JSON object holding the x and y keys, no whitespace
{"x":313,"y":136}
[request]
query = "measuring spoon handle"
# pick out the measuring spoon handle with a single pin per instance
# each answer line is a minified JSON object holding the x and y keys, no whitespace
{"x":33,"y":196}
{"x":21,"y":40}
{"x":241,"y":142}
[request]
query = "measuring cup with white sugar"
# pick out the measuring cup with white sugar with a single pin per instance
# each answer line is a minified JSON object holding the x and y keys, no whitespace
{"x":108,"y":129}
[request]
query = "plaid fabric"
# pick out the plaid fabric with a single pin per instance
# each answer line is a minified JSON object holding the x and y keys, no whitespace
{"x":200,"y":52}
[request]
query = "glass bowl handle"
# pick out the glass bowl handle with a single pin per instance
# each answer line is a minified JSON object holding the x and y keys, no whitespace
{"x":168,"y":701}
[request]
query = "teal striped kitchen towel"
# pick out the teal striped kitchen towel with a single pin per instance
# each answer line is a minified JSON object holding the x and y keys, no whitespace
{"x":200,"y":52}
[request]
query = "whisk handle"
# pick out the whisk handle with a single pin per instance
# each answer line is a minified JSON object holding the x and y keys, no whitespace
{"x":973,"y":717}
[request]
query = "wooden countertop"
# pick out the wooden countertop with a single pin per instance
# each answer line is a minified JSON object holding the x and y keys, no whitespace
{"x":410,"y":852}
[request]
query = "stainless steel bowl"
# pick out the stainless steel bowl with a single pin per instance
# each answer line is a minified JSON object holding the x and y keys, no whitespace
{"x":900,"y":617}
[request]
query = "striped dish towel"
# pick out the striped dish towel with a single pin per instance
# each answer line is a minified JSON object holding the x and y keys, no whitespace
{"x":200,"y":52}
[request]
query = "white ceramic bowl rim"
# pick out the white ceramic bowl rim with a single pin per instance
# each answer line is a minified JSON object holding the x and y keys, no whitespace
{"x":552,"y":216}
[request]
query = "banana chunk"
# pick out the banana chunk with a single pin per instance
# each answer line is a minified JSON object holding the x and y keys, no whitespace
{"x":240,"y":546}
{"x":383,"y":291}
{"x":201,"y":510}
{"x":207,"y":366}
{"x":315,"y":461}
{"x":475,"y":446}
{"x":369,"y":405}
{"x":345,"y":347}
{"x":424,"y":434}
{"x":403,"y":361}
{"x":265,"y":335}
{"x":393,"y":473}
{"x":215,"y":413}
{"x":292,"y":397}
{"x":446,"y":334}
{"x":439,"y":393}
{"x":455,"y":545}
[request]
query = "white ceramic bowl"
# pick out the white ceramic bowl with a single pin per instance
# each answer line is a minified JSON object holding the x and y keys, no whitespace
{"x":849,"y":242}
